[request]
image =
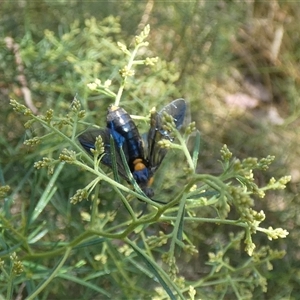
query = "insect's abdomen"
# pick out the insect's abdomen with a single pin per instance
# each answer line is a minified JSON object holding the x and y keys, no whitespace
{"x":120,"y":121}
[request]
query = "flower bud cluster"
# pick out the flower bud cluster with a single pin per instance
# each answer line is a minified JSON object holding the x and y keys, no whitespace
{"x":168,"y":122}
{"x":157,"y":241}
{"x":164,"y":144}
{"x":20,"y":108}
{"x":279,"y":184}
{"x":250,"y":163}
{"x":216,"y":259}
{"x":98,"y":85}
{"x":274,"y":234}
{"x":142,"y":36}
{"x":17,"y":267}
{"x":265,"y":255}
{"x":262,"y":253}
{"x":151,"y":61}
{"x":223,"y":208}
{"x":190,"y":128}
{"x":170,"y":260}
{"x":76,"y":106}
{"x":250,"y":247}
{"x":125,"y":249}
{"x":123,"y":48}
{"x":79,"y":196}
{"x":265,"y":162}
{"x":32,"y":142}
{"x":4,"y":190}
{"x":243,"y":203}
{"x":126,"y":72}
{"x":101,"y":257}
{"x":46,"y":162}
{"x":99,"y":146}
{"x":48,"y":116}
{"x":68,"y":156}
{"x":225,"y":153}
{"x":191,"y":249}
{"x":67,"y":120}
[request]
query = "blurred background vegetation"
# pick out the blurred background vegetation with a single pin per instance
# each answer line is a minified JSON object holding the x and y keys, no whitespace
{"x":236,"y":62}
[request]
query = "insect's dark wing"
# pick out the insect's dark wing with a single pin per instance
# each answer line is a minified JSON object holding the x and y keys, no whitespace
{"x":87,"y":140}
{"x":176,"y":109}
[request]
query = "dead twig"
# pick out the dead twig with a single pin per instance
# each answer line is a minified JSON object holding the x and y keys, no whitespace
{"x":14,"y":47}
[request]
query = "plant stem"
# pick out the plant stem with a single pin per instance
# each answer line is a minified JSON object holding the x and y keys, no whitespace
{"x":52,"y":275}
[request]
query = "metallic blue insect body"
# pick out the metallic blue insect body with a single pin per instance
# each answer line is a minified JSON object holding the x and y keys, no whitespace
{"x":119,"y":121}
{"x":143,"y":158}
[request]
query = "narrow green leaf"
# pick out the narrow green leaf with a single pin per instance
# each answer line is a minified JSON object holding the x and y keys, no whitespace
{"x":48,"y":193}
{"x":113,"y":159}
{"x":129,"y":174}
{"x":91,"y":243}
{"x":156,"y":270}
{"x":85,"y":283}
{"x":180,"y":227}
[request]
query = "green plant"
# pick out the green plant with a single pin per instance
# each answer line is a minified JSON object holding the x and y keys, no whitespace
{"x":117,"y":248}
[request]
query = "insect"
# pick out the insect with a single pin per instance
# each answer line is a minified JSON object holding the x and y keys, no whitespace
{"x":143,"y":156}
